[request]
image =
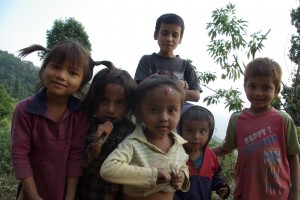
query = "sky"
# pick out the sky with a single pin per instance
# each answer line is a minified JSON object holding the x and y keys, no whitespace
{"x":122,"y":31}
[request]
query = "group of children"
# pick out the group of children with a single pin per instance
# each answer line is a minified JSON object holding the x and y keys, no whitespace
{"x":139,"y":138}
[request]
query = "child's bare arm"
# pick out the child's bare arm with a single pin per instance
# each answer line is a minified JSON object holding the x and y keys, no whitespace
{"x":29,"y":186}
{"x":71,"y":188}
{"x":294,"y":174}
{"x":220,"y":151}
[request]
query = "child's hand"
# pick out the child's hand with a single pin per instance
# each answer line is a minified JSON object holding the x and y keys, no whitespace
{"x":101,"y":136}
{"x":184,"y":84}
{"x":177,"y":177}
{"x":163,"y":175}
{"x":223,"y":191}
{"x":293,"y":195}
{"x":103,"y":132}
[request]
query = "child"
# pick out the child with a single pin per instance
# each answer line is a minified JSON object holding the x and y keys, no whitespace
{"x":168,"y":33}
{"x":267,"y":164}
{"x":48,"y":129}
{"x":197,"y":126}
{"x":142,"y":163}
{"x":109,"y":99}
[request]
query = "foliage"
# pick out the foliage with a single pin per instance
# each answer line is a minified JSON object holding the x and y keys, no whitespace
{"x":227,"y":163}
{"x":8,"y":182}
{"x":5,"y":103}
{"x":292,"y":94}
{"x":18,"y":77}
{"x":67,"y":29}
{"x":228,"y":37}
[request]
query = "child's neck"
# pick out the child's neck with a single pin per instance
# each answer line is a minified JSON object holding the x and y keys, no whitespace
{"x":57,"y":107}
{"x":168,"y":54}
{"x":194,"y":154}
{"x":163,"y":143}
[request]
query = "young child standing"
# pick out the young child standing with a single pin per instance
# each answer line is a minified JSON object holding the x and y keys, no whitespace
{"x":48,"y":129}
{"x":197,"y":125}
{"x":109,"y":102}
{"x":151,"y":162}
{"x":168,"y":32}
{"x":267,"y":165}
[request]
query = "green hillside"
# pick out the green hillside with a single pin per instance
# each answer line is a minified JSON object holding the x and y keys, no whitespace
{"x":18,"y":77}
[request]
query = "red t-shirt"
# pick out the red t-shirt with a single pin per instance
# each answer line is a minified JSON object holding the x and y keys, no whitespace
{"x":263,"y":143}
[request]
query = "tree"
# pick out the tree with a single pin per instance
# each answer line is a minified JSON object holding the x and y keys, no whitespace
{"x":67,"y":29}
{"x":5,"y":103}
{"x":228,"y":37}
{"x":292,"y":94}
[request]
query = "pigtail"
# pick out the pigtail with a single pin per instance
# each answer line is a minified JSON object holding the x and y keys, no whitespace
{"x":36,"y":47}
{"x":106,"y":63}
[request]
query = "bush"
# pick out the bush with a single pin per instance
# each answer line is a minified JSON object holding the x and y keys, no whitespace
{"x":8,"y":182}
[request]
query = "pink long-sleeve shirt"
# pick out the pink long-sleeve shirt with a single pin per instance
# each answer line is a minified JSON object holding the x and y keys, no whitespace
{"x":44,"y":149}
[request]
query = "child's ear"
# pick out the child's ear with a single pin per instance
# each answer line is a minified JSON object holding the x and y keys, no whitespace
{"x":180,"y":41}
{"x":155,"y":35}
{"x":138,"y":115}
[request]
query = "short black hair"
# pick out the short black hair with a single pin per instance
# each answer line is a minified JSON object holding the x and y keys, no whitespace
{"x":170,"y":18}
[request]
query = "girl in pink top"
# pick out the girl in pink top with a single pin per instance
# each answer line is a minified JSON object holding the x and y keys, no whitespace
{"x":49,"y":128}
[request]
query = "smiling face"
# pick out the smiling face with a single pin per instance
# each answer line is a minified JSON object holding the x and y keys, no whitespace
{"x":160,"y":111}
{"x":61,"y":79}
{"x":168,"y":39}
{"x":112,"y":106}
{"x":196,"y":132}
{"x":260,"y":91}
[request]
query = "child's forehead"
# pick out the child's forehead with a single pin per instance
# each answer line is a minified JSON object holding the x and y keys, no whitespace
{"x":172,"y":27}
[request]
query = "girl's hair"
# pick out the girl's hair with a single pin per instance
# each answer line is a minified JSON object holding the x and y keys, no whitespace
{"x":264,"y":67}
{"x":66,"y":51}
{"x":110,"y":75}
{"x":170,"y":18}
{"x":153,"y":82}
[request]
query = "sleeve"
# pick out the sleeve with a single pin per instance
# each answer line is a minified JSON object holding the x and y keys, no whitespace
{"x":117,"y":169}
{"x":143,"y":69}
{"x":292,"y":143}
{"x":185,"y":169}
{"x":190,"y":77}
{"x":230,"y":141}
{"x":21,"y":141}
{"x":217,"y":181}
{"x":80,"y":128}
{"x":90,"y":162}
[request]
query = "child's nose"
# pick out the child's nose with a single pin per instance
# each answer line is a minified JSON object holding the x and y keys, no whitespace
{"x":60,"y":75}
{"x":111,"y":108}
{"x":164,"y":116}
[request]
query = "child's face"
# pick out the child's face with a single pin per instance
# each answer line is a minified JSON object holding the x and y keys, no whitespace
{"x":61,"y":79}
{"x":168,"y":38}
{"x":112,"y":106}
{"x":196,"y":133}
{"x":260,"y":91}
{"x":160,"y":111}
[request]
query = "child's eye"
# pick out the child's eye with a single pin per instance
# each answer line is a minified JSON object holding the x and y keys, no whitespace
{"x":120,"y":103}
{"x":175,"y":35}
{"x":103,"y":100}
{"x":202,"y":131}
{"x":171,"y":110}
{"x":74,"y":73}
{"x":190,"y":130}
{"x":153,"y":110}
{"x":54,"y":65}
